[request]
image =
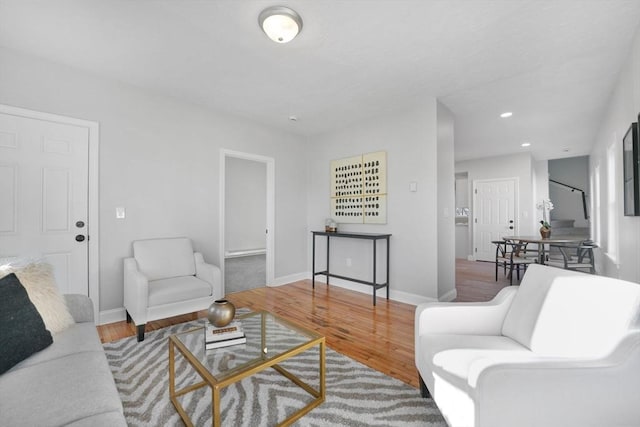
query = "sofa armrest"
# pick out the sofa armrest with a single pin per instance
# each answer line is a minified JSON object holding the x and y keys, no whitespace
{"x":474,"y":318}
{"x":560,"y":391}
{"x":210,"y":274}
{"x":136,"y":292}
{"x":80,"y":307}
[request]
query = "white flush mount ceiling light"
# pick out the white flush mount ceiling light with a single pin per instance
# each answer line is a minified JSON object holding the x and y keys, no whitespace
{"x":280,"y":23}
{"x":525,"y":144}
{"x":507,"y":114}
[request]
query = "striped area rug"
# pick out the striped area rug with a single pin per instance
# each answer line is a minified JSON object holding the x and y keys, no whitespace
{"x":356,"y":395}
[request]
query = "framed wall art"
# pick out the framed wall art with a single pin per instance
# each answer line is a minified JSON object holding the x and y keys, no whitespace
{"x":359,"y":189}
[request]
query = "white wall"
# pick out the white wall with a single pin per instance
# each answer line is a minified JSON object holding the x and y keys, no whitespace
{"x":245,"y":205}
{"x":573,"y":171}
{"x":446,"y":205}
{"x":463,"y":244}
{"x":512,"y":166}
{"x":540,"y":186}
{"x":411,"y":142}
{"x":159,"y":158}
{"x":618,"y":235}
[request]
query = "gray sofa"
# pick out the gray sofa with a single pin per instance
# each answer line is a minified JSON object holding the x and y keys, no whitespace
{"x":67,"y":383}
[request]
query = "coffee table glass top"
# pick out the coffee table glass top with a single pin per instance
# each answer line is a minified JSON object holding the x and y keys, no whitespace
{"x":268,"y":337}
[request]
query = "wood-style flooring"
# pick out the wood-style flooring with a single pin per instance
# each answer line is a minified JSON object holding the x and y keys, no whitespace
{"x":380,"y":337}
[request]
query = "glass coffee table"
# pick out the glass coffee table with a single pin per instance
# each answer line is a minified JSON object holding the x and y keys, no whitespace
{"x":271,"y":340}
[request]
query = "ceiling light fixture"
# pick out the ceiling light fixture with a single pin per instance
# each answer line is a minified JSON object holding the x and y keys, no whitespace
{"x":525,"y":144}
{"x":280,"y":23}
{"x":507,"y":114}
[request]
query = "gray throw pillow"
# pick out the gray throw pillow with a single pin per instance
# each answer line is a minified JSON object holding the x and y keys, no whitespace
{"x":22,"y":331}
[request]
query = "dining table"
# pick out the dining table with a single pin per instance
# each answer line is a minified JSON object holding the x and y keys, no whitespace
{"x":543,"y":242}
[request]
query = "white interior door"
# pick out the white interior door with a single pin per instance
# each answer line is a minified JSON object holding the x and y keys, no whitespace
{"x":494,"y":214}
{"x":44,"y":169}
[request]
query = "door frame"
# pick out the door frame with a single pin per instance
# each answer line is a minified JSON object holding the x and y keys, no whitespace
{"x":270,"y":214}
{"x":474,"y":210}
{"x":93,"y":211}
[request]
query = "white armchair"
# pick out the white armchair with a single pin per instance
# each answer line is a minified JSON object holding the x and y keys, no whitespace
{"x":166,"y":278}
{"x":561,"y":349}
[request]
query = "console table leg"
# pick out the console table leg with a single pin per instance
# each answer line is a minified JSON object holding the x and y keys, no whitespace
{"x":328,"y":259}
{"x":313,"y":262}
{"x":387,"y":267}
{"x":374,"y":272}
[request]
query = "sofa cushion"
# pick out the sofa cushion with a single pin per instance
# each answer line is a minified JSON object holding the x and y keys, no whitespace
{"x":166,"y":291}
{"x":38,"y":279}
{"x":569,"y":314}
{"x":81,"y":337}
{"x":22,"y":331}
{"x":59,"y":392}
{"x":164,"y":258}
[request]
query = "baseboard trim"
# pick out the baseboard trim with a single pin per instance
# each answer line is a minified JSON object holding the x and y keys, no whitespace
{"x":284,"y":280}
{"x":449,"y":296}
{"x":394,"y":294}
{"x":111,"y":316}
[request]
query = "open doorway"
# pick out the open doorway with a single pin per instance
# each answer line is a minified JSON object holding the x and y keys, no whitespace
{"x":246,"y":221}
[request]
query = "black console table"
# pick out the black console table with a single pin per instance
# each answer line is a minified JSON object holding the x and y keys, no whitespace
{"x":367,"y":236}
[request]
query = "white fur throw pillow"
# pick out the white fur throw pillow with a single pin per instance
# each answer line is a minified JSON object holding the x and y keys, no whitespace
{"x":37,"y":278}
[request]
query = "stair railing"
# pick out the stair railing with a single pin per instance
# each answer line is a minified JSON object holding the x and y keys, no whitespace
{"x":572,"y":188}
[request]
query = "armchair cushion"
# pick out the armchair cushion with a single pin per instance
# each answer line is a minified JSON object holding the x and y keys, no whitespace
{"x":164,"y":258}
{"x":567,"y":314}
{"x":175,"y":289}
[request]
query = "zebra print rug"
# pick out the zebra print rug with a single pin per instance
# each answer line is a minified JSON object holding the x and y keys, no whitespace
{"x":356,"y":395}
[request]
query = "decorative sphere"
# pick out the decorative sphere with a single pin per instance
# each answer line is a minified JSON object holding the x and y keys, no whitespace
{"x":221,"y":313}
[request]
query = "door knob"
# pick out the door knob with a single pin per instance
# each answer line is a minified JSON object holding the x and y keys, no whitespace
{"x":79,"y":238}
{"x":511,"y":227}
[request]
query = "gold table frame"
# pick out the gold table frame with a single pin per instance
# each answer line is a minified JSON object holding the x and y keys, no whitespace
{"x":247,"y":369}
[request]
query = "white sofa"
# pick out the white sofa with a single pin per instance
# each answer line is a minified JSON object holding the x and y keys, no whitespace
{"x":561,"y":349}
{"x":166,"y":278}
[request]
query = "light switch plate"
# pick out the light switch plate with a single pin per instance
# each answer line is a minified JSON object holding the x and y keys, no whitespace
{"x":120,"y":213}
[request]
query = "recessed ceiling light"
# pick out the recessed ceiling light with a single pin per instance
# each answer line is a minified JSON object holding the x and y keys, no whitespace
{"x":525,"y":144}
{"x":506,"y":114}
{"x":293,"y":118}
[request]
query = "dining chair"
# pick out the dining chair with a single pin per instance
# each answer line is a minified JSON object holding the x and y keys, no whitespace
{"x":575,"y":257}
{"x":514,"y":255}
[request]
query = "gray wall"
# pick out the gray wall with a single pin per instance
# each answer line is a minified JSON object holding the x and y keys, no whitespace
{"x":410,"y":139}
{"x":573,"y":171}
{"x":245,"y":205}
{"x":159,"y":158}
{"x":446,"y":205}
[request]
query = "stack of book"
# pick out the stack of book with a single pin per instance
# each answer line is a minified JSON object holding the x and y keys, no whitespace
{"x":225,"y":336}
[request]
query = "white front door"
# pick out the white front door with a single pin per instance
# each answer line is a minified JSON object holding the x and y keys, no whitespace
{"x":494,"y":214}
{"x":44,"y":169}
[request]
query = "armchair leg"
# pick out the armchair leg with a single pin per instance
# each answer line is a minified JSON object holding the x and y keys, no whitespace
{"x":424,"y":391}
{"x":140,"y":331}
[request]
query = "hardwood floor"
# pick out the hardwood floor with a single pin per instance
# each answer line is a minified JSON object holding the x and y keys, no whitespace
{"x":380,"y":337}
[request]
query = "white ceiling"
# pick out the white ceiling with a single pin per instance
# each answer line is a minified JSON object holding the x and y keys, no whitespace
{"x":553,"y":63}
